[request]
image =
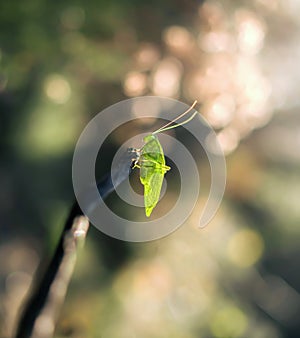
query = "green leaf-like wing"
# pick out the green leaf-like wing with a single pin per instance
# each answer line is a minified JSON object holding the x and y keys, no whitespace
{"x":152,"y":171}
{"x":152,"y":191}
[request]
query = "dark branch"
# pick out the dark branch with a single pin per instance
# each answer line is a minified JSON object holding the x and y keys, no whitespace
{"x":41,"y":299}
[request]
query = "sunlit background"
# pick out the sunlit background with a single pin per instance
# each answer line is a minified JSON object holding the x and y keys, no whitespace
{"x":62,"y":63}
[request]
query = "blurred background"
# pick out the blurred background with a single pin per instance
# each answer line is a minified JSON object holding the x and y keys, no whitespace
{"x":63,"y":62}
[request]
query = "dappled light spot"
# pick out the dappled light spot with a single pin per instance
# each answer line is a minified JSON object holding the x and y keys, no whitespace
{"x":246,"y":72}
{"x":135,"y":84}
{"x":251,"y":117}
{"x":212,"y":144}
{"x":251,"y":31}
{"x":146,"y":56}
{"x":178,"y":38}
{"x":50,"y":129}
{"x":195,"y":85}
{"x":229,"y":321}
{"x":44,"y":326}
{"x":228,"y":139}
{"x":217,"y":41}
{"x":257,"y":90}
{"x":219,"y":112}
{"x":215,"y":78}
{"x":245,"y":248}
{"x":217,"y":62}
{"x":166,"y":77}
{"x":57,"y":88}
{"x":212,"y":15}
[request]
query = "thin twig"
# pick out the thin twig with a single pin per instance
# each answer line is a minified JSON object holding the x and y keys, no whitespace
{"x":73,"y":239}
{"x":41,"y":311}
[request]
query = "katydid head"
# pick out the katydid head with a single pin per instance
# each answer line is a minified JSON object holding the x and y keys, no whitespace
{"x":168,"y":125}
{"x":136,"y":153}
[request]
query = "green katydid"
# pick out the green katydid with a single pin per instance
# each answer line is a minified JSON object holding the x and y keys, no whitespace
{"x":152,"y":164}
